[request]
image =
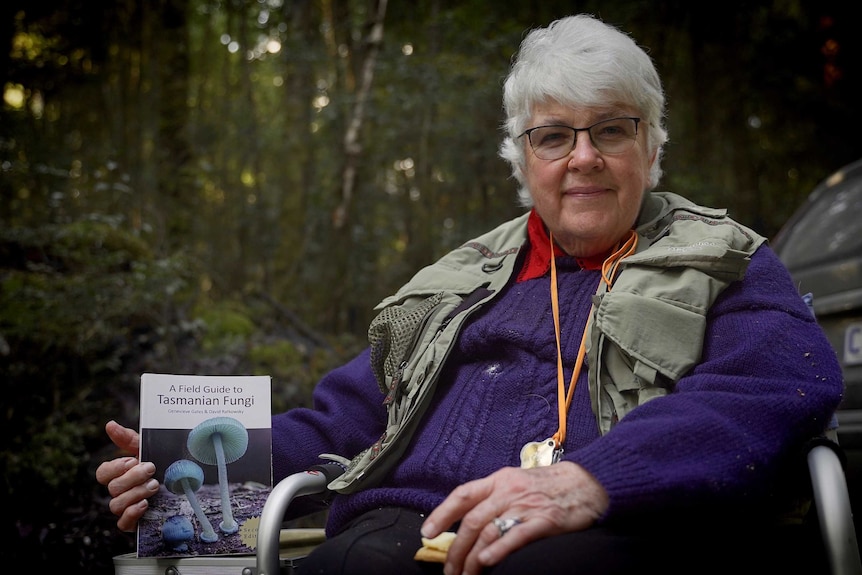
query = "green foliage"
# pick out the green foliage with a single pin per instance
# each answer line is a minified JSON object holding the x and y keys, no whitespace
{"x":293,"y":379}
{"x":279,"y":357}
{"x":99,"y":246}
{"x":227,"y":326}
{"x":77,"y":301}
{"x":71,"y":297}
{"x":49,"y":458}
{"x":296,"y":368}
{"x":72,"y":287}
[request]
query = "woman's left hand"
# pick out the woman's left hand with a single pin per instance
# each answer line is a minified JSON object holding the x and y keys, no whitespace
{"x":546,"y":501}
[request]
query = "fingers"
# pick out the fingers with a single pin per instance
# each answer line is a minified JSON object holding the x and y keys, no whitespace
{"x":125,"y":438}
{"x":462,"y":499}
{"x":492,"y":546}
{"x":133,"y":475}
{"x":130,"y":495}
{"x":110,"y":470}
{"x":128,"y":521}
{"x":479,"y":542}
{"x":130,"y":484}
{"x":547,"y":501}
{"x":475,"y":504}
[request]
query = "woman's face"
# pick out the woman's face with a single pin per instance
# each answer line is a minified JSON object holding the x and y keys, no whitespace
{"x":589,"y":200}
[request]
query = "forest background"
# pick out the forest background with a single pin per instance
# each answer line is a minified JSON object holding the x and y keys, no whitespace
{"x":229,"y":187}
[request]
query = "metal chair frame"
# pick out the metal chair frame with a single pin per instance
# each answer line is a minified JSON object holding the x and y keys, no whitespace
{"x":830,"y":496}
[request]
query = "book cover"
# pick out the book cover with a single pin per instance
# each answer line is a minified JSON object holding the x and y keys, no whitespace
{"x":210,"y":438}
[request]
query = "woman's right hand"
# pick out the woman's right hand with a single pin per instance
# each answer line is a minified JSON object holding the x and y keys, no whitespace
{"x":129,"y":481}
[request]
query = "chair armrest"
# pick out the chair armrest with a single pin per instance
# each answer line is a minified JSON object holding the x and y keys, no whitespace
{"x":309,"y":482}
{"x":832,"y":500}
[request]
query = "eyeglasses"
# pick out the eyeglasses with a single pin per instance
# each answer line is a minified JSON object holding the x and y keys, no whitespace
{"x":613,"y":136}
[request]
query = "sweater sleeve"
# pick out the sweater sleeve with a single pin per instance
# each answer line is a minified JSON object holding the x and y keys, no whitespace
{"x":347,"y":416}
{"x":768,"y":381}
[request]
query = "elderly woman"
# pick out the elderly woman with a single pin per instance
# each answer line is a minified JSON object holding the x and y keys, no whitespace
{"x":616,"y":380}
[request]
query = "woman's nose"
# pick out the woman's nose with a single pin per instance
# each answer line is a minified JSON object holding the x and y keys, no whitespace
{"x":584,"y":153}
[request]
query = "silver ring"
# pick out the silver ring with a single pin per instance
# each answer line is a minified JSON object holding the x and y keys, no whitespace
{"x":503,"y":525}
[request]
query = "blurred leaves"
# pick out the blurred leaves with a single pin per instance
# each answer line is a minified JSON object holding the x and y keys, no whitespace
{"x":76,"y":301}
{"x":85,"y":308}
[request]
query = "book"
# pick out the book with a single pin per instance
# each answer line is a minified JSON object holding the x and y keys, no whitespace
{"x":210,"y":438}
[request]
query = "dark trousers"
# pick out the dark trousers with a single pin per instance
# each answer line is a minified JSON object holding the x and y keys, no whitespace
{"x":382,"y":542}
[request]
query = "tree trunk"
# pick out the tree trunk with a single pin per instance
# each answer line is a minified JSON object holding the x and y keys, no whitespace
{"x":352,"y":156}
{"x":173,"y":149}
{"x":352,"y":143}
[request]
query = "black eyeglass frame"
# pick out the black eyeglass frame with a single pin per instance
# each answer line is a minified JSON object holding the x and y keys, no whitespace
{"x":588,"y":129}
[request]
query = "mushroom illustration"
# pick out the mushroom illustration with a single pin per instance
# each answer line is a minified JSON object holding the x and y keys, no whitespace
{"x":219,"y":441}
{"x":177,"y":531}
{"x":186,"y":477}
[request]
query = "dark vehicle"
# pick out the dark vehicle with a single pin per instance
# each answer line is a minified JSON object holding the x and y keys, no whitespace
{"x":821,"y":245}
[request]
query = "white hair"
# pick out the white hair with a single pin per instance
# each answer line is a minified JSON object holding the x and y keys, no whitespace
{"x":580,"y":62}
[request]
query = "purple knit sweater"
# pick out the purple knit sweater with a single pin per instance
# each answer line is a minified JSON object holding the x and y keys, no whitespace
{"x":768,"y":380}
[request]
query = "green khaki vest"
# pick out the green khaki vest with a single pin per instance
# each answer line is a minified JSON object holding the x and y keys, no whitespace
{"x":645,"y":333}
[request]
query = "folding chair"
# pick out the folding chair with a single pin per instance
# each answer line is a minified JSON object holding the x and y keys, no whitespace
{"x":269,"y":531}
{"x":279,"y":551}
{"x":830,"y":497}
{"x":834,"y":515}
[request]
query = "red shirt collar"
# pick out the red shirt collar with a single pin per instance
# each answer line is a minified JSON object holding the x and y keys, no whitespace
{"x":538,"y":260}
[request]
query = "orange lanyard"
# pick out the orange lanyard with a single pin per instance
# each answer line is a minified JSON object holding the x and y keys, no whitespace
{"x":609,"y":271}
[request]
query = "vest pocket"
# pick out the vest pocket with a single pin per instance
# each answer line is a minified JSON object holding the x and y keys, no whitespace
{"x":392,"y":335}
{"x":646,"y":345}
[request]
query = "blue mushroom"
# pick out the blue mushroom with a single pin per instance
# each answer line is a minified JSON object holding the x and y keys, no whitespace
{"x":219,"y":441}
{"x":177,"y":531}
{"x":184,"y":477}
